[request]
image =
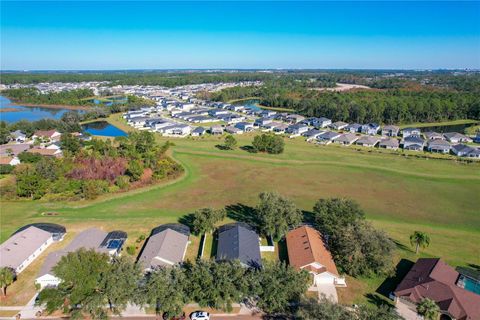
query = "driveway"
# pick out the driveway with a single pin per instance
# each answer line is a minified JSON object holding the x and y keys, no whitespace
{"x":329,"y":290}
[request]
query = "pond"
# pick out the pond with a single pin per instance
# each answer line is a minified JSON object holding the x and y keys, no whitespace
{"x":460,"y":128}
{"x":250,"y":104}
{"x":16,"y":113}
{"x":103,"y":128}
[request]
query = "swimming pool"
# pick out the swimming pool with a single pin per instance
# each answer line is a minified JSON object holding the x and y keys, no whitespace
{"x":471,"y":285}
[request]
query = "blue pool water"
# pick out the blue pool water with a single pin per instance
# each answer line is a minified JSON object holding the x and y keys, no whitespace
{"x":27,"y":113}
{"x":114,"y":244}
{"x":103,"y":128}
{"x":472,"y":285}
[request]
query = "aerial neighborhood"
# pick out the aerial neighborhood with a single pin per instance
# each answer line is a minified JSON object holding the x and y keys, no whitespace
{"x":279,"y":247}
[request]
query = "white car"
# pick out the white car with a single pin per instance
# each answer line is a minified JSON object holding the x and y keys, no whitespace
{"x":200,"y":315}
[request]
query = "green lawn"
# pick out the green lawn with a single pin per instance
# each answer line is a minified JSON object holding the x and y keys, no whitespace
{"x":399,"y":193}
{"x":443,"y":123}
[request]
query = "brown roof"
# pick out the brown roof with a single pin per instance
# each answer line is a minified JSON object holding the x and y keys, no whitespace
{"x":5,"y":160}
{"x":45,"y":133}
{"x":45,"y":152}
{"x":432,"y":278}
{"x":305,"y":246}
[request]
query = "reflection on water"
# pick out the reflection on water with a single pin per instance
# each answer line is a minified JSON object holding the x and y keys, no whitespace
{"x":27,"y":113}
{"x":103,"y":128}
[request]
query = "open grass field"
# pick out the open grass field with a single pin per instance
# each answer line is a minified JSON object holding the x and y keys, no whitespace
{"x":399,"y":195}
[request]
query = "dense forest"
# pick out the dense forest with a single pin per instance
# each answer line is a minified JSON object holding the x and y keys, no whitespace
{"x":77,"y":97}
{"x":362,"y":106}
{"x":384,"y":79}
{"x":91,"y":168}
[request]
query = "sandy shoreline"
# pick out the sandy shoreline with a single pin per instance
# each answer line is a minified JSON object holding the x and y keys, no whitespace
{"x":10,"y":110}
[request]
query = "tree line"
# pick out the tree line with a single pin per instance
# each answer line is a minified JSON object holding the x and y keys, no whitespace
{"x":91,"y":168}
{"x":393,"y":106}
{"x":76,"y":97}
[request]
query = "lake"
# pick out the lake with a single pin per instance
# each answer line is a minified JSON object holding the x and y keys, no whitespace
{"x":103,"y":128}
{"x":27,"y":113}
{"x":250,"y":104}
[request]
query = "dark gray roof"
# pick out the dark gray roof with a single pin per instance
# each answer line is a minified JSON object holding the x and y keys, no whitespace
{"x":49,"y":227}
{"x":414,"y":139}
{"x":199,"y":129}
{"x":239,"y":241}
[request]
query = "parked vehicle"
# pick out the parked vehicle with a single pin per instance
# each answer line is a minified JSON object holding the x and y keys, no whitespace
{"x":200,"y":315}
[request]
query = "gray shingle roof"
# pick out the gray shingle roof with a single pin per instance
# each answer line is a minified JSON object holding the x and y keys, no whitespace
{"x":22,"y":245}
{"x":165,"y":247}
{"x":239,"y":241}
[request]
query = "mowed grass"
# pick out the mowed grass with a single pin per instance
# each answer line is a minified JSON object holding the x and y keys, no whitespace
{"x":400,"y":194}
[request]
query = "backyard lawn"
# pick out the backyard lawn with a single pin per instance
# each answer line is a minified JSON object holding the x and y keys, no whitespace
{"x":399,"y":193}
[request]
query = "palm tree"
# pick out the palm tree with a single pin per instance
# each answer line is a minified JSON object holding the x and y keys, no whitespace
{"x":428,"y":309}
{"x":6,"y":279}
{"x":419,"y":239}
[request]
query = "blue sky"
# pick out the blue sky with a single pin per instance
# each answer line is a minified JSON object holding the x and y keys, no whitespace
{"x":256,"y":34}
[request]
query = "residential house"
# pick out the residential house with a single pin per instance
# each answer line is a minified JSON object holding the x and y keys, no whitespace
{"x":55,"y":153}
{"x":165,"y":247}
{"x":244,"y":126}
{"x":176,"y":129}
{"x":433,"y":136}
{"x":294,"y":118}
{"x":280,"y":128}
{"x":307,"y":251}
{"x":439,"y":146}
{"x":322,"y":122}
{"x":367,"y":141}
{"x":218,"y":112}
{"x":13,"y":149}
{"x":12,"y":161}
{"x":312,"y":134}
{"x":346,"y":138}
{"x":233,"y":130}
{"x":328,"y":137}
{"x":463,"y":150}
{"x":407,"y":132}
{"x":339,"y":125}
{"x":389,"y":143}
{"x":23,"y":247}
{"x":238,"y":241}
{"x":57,"y":231}
{"x":18,"y":136}
{"x":413,"y":142}
{"x":370,"y":129}
{"x":390,"y":131}
{"x":432,"y":278}
{"x":296,"y":129}
{"x":215,"y":130}
{"x":138,"y":122}
{"x":47,"y":135}
{"x":198,"y":131}
{"x":88,"y":239}
{"x":455,"y":137}
{"x":267,"y":113}
{"x":353,"y":128}
{"x":261,"y":122}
